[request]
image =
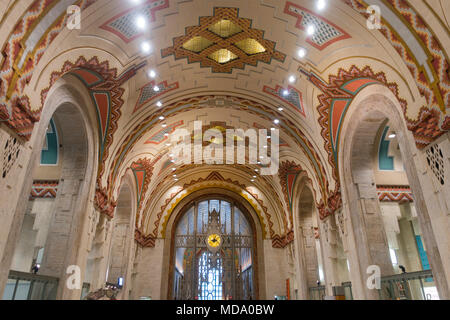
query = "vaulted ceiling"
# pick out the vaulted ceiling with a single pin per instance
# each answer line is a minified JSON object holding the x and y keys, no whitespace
{"x":152,"y":66}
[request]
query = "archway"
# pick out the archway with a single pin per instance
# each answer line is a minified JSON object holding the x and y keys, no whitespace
{"x":242,"y":245}
{"x":366,"y":240}
{"x":54,"y":229}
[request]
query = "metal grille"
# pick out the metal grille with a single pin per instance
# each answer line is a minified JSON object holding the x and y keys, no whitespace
{"x":205,"y":274}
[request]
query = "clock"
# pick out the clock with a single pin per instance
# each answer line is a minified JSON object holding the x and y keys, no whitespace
{"x":213,"y":242}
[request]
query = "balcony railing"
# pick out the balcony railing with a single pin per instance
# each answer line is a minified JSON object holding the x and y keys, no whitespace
{"x":408,"y":286}
{"x":405,"y":286}
{"x":29,"y":286}
{"x":317,"y":293}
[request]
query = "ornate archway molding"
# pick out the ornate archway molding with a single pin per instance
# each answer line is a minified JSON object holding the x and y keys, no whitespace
{"x":216,"y":180}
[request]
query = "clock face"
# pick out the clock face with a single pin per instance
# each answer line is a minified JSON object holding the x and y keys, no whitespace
{"x":214,"y":240}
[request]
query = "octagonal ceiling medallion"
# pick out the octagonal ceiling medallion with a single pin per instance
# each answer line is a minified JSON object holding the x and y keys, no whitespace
{"x":223,"y":42}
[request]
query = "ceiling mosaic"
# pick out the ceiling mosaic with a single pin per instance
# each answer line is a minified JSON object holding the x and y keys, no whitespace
{"x":123,"y":25}
{"x":224,"y":42}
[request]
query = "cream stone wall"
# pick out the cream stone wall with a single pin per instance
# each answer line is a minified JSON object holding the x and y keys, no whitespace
{"x":148,"y":273}
{"x":276,"y":270}
{"x":33,"y":234}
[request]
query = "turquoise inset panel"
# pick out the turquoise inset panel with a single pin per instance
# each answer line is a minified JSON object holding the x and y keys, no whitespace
{"x":422,"y":254}
{"x":385,"y":162}
{"x":49,"y":154}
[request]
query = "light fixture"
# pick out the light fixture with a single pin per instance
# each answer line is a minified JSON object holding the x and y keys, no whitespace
{"x":145,"y":47}
{"x":176,"y":179}
{"x":285,"y":92}
{"x":310,"y":30}
{"x":292,"y":79}
{"x":280,"y":109}
{"x":168,"y":144}
{"x":166,"y":134}
{"x":272,"y":129}
{"x":276,"y":121}
{"x":254,"y":176}
{"x":156,"y":88}
{"x":256,"y":170}
{"x":136,"y":1}
{"x":174,"y":175}
{"x":301,"y":53}
{"x":141,"y":23}
{"x":173,"y":169}
{"x":161,"y":118}
{"x":392,"y":136}
{"x":171,"y":155}
{"x":252,"y":180}
{"x":159,"y":104}
{"x":321,"y":4}
{"x":152,"y":73}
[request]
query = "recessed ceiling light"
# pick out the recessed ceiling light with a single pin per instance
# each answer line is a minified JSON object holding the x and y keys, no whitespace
{"x":292,"y":79}
{"x":171,"y":155}
{"x":310,"y":30}
{"x":285,"y":92}
{"x":145,"y":47}
{"x":321,"y":4}
{"x":280,"y":109}
{"x":141,"y":22}
{"x":272,"y":129}
{"x":164,"y":125}
{"x":276,"y":121}
{"x":175,"y":179}
{"x":152,"y":73}
{"x":256,"y":170}
{"x":161,"y":118}
{"x":159,"y":104}
{"x":254,"y":176}
{"x":173,"y":169}
{"x":301,"y":53}
{"x":252,"y":180}
{"x":174,"y":175}
{"x":136,"y":1}
{"x":166,"y":134}
{"x":259,"y":162}
{"x":168,"y":144}
{"x":156,"y":88}
{"x":392,"y":136}
{"x":172,"y":160}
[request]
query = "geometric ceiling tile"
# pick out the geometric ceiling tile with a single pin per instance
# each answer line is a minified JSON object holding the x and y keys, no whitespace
{"x":326,"y":33}
{"x":293,"y":97}
{"x":222,"y":56}
{"x":124,"y":25}
{"x":225,"y":28}
{"x":223,"y":42}
{"x":197,"y":44}
{"x":147,"y":92}
{"x":250,"y":46}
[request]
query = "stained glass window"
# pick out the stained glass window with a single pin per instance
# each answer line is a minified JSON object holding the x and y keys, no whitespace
{"x":213,"y":272}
